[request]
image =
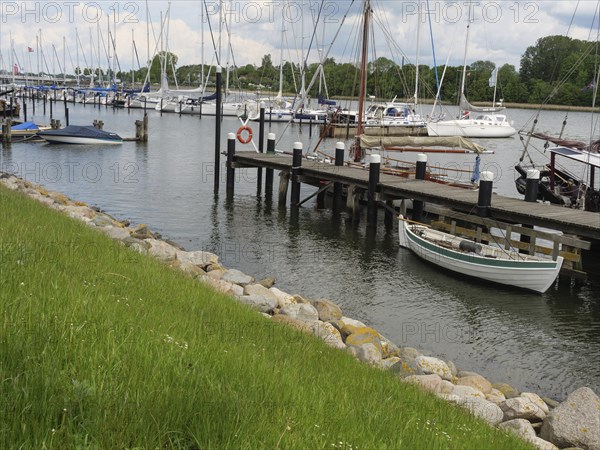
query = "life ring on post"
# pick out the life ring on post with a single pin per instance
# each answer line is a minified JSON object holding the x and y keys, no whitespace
{"x":241,"y":130}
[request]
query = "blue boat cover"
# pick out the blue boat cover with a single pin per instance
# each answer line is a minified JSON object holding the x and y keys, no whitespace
{"x":88,"y":131}
{"x":25,"y":126}
{"x":323,"y":101}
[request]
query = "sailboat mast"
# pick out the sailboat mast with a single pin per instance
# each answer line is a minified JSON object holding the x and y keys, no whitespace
{"x":417,"y":58}
{"x":280,"y":92}
{"x":363,"y":67}
{"x":464,"y":74}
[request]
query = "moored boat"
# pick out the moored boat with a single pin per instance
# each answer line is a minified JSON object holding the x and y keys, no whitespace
{"x":77,"y":134}
{"x":477,"y":260}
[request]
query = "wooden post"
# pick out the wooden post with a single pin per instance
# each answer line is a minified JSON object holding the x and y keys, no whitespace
{"x":24,"y":110}
{"x":284,"y":181}
{"x":230,"y":183}
{"x":261,"y":146}
{"x":145,"y":127}
{"x":421,"y":170}
{"x":51,"y":101}
{"x":269,"y":172}
{"x":485,"y":194}
{"x":45,"y":98}
{"x":66,"y":114}
{"x":139,"y":127}
{"x":217,"y":132}
{"x":389,"y":215}
{"x":353,"y":203}
{"x":531,"y":192}
{"x":340,"y":148}
{"x":374,"y":169}
{"x":7,"y":131}
{"x":296,"y":167}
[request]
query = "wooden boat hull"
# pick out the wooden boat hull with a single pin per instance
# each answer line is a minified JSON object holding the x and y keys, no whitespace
{"x":534,"y":275}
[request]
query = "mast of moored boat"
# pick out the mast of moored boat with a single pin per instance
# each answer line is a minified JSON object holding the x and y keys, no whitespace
{"x":464,"y":74}
{"x":363,"y":78}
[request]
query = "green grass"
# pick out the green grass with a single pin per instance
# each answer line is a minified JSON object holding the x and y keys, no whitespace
{"x":103,"y":348}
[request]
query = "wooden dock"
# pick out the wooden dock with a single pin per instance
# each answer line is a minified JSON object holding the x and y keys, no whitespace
{"x":569,"y":221}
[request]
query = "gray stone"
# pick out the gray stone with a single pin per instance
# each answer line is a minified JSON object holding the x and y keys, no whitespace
{"x":480,"y":407}
{"x":575,"y":422}
{"x":236,"y":277}
{"x":446,"y":387}
{"x":198,"y":258}
{"x":368,"y":353}
{"x":550,"y":402}
{"x":267,"y":282}
{"x":389,"y":348}
{"x":353,"y":322}
{"x":115,"y":232}
{"x":476,"y":381}
{"x":453,"y":369}
{"x":327,"y":310}
{"x":495,"y":396}
{"x":506,"y":389}
{"x":260,"y":290}
{"x":430,"y":382}
{"x":406,"y":367}
{"x":218,"y":285}
{"x":522,"y":408}
{"x":466,"y":373}
{"x":218,"y":275}
{"x":236,"y":290}
{"x":283,"y":298}
{"x":466,"y":392}
{"x":431,"y":365}
{"x":302,"y":311}
{"x":542,"y":444}
{"x":102,"y":220}
{"x":520,"y":427}
{"x":258,"y":302}
{"x":537,"y":400}
{"x":299,"y":325}
{"x":409,"y":352}
{"x":329,"y":334}
{"x":388,"y":363}
{"x":162,"y":251}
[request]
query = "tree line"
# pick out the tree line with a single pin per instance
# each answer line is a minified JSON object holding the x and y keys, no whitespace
{"x":557,"y":69}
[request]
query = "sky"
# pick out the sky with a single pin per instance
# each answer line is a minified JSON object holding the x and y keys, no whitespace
{"x":67,"y":32}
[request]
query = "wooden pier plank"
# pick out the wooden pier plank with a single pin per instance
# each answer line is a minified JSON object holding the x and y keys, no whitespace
{"x":571,"y":221}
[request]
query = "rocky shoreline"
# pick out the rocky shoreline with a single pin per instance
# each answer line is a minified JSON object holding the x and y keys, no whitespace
{"x":547,"y":424}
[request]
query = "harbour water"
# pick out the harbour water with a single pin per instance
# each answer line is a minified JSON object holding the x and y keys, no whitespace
{"x":548,"y":344}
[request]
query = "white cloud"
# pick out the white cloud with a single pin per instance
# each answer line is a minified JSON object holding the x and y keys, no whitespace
{"x":501,"y":32}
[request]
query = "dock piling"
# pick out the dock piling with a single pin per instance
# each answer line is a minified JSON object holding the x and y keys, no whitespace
{"x":374,"y":170}
{"x":218,"y":130}
{"x":421,"y":170}
{"x":296,"y":167}
{"x":24,"y":111}
{"x":340,"y":148}
{"x":532,"y":185}
{"x":230,"y":183}
{"x":261,"y":146}
{"x":284,"y":182}
{"x":269,"y":172}
{"x":485,"y":194}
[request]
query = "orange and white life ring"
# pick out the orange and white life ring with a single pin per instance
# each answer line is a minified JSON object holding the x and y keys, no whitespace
{"x":248,"y":138}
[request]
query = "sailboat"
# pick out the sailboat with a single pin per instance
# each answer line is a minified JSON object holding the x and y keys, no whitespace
{"x":484,"y":122}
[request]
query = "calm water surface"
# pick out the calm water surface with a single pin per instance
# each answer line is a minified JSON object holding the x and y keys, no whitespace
{"x":549,"y":344}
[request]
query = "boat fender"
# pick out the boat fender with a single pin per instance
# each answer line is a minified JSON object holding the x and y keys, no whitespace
{"x":248,"y":138}
{"x":469,"y":246}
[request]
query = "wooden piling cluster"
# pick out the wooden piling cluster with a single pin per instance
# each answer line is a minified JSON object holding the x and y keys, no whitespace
{"x":451,"y":207}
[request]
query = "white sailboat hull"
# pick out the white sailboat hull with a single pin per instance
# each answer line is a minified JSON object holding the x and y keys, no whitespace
{"x":470,"y":128}
{"x":530,"y":273}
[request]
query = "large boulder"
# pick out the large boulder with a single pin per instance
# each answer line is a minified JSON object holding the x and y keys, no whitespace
{"x":161,"y":250}
{"x":466,"y":392}
{"x":575,"y":422}
{"x":506,"y":389}
{"x":495,"y":396}
{"x":480,"y":407}
{"x":260,"y":290}
{"x":236,"y":277}
{"x":431,"y":365}
{"x":477,"y":382}
{"x":283,"y":298}
{"x":327,"y":310}
{"x":259,"y":302}
{"x":329,"y":334}
{"x":302,"y":311}
{"x":520,"y":427}
{"x":406,"y":367}
{"x":431,"y":382}
{"x":522,"y":408}
{"x":368,"y":353}
{"x":198,"y":258}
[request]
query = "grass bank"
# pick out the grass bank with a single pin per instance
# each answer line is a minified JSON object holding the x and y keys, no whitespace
{"x":103,"y":348}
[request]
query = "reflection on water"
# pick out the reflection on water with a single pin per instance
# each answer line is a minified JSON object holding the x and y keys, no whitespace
{"x":548,"y":343}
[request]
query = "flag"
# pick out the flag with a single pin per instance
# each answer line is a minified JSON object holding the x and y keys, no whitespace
{"x":494,"y":78}
{"x":29,"y":49}
{"x":589,"y":87}
{"x":15,"y":69}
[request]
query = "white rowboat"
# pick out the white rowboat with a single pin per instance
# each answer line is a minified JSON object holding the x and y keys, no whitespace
{"x":479,"y":260}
